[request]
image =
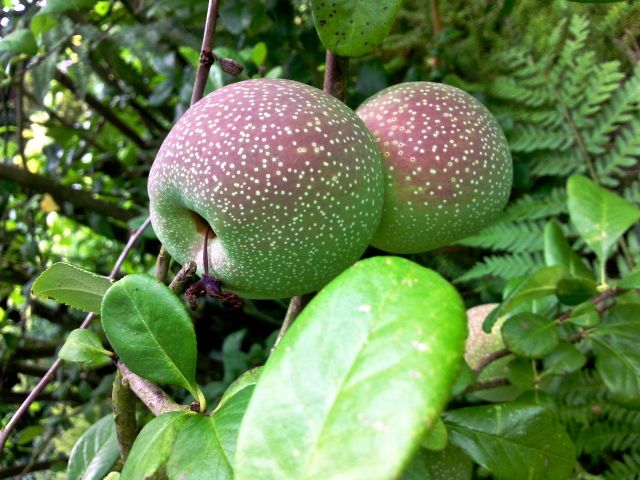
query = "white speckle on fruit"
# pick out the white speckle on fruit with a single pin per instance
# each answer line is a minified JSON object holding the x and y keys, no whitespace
{"x":421,"y":347}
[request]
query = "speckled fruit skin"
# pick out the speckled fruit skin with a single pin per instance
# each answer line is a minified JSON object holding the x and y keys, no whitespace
{"x":288,"y":177}
{"x":448,"y":165}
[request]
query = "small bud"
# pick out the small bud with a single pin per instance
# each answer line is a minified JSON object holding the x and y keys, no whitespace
{"x":230,"y":66}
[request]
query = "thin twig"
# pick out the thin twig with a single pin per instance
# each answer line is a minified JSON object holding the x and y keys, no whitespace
{"x":486,"y":385}
{"x":124,"y":414}
{"x":156,"y":400}
{"x":296,"y":305}
{"x":44,"y":381}
{"x":162,"y":265}
{"x":183,"y":277}
{"x":36,"y":467}
{"x":206,"y":56}
{"x":335,"y":75}
{"x":437,"y":30}
{"x":19,"y":103}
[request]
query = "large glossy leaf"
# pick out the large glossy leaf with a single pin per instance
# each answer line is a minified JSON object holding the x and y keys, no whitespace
{"x":599,"y":215}
{"x":19,"y":41}
{"x":557,"y":251}
{"x":530,"y":335}
{"x":353,"y":27}
{"x":617,"y":355}
{"x":84,"y":347}
{"x":153,"y":446}
{"x":513,"y":441}
{"x":357,"y":380}
{"x":73,"y":286}
{"x":216,"y":438}
{"x":151,"y":331}
{"x":95,"y":452}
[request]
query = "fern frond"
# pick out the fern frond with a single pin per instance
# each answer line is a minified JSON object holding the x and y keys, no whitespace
{"x":632,"y":192}
{"x":558,"y":164}
{"x":624,"y":154}
{"x":626,"y":469}
{"x":623,"y":107}
{"x":529,"y":138}
{"x":530,"y":207}
{"x":507,"y":266}
{"x":607,"y":437}
{"x":512,"y":236}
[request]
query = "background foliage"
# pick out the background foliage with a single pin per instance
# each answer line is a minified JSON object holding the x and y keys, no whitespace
{"x":90,"y":89}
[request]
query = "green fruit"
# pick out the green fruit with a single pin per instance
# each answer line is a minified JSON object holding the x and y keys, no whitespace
{"x":287,"y":177}
{"x":479,"y":343}
{"x":448,"y":165}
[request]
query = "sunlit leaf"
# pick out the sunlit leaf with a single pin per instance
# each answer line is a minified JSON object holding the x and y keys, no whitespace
{"x":599,"y":215}
{"x":72,"y":286}
{"x":83,"y":346}
{"x":350,"y":27}
{"x":327,"y":405}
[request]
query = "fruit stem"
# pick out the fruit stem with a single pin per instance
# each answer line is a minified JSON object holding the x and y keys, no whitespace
{"x":205,"y":252}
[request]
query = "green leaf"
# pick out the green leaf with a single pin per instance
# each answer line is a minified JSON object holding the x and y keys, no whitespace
{"x":353,"y":27}
{"x":565,"y":359}
{"x":585,"y":315}
{"x":436,"y":438}
{"x":557,"y":251}
{"x":599,"y":215}
{"x":42,"y":23}
{"x":617,"y":355}
{"x":448,"y":464}
{"x":574,"y":291}
{"x":215,"y":437}
{"x":259,"y":53}
{"x":61,"y":6}
{"x":596,"y":1}
{"x":541,"y":284}
{"x":357,"y":402}
{"x":246,"y":380}
{"x":511,"y":439}
{"x":41,"y":76}
{"x":151,"y":331}
{"x":530,"y":335}
{"x":19,"y":41}
{"x":631,"y":280}
{"x":83,"y":346}
{"x":151,"y":450}
{"x":95,"y":452}
{"x":73,"y":286}
{"x":521,"y":373}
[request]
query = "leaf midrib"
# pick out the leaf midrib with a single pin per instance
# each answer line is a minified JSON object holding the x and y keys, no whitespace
{"x":172,"y":364}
